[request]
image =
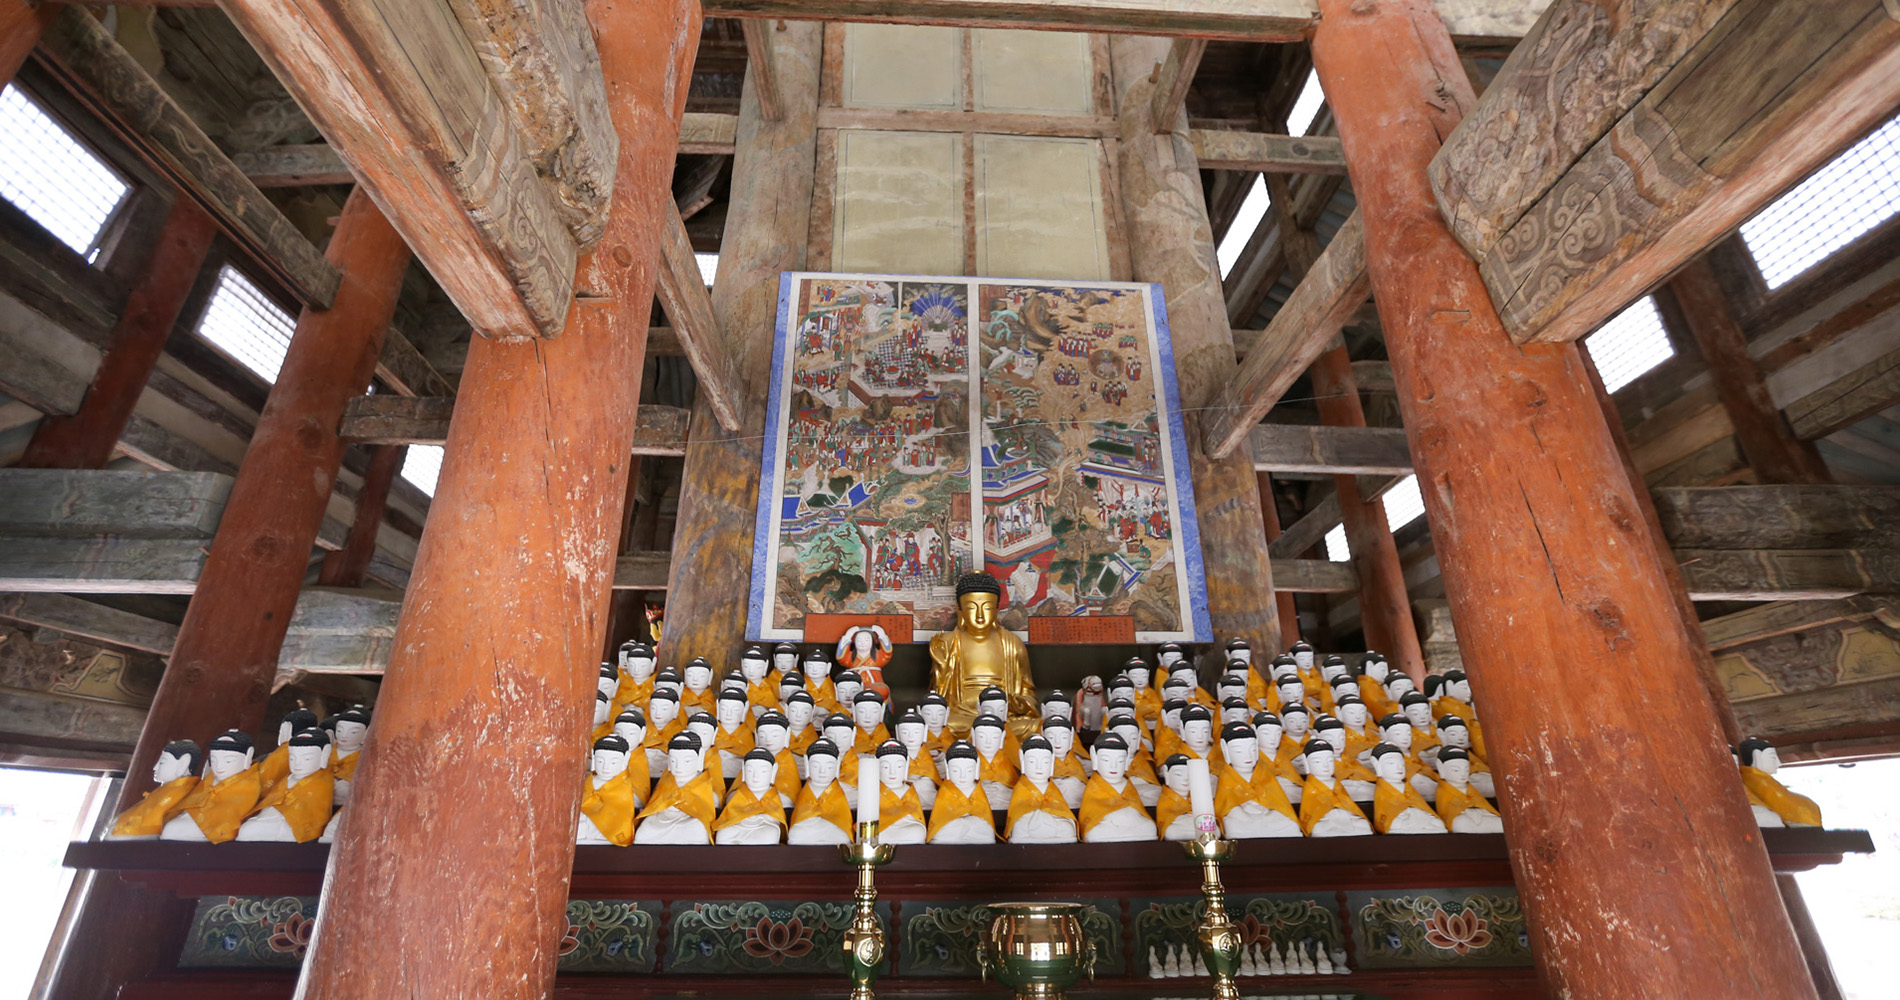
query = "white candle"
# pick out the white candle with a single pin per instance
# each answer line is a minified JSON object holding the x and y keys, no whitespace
{"x":869,"y":790}
{"x":1200,"y":790}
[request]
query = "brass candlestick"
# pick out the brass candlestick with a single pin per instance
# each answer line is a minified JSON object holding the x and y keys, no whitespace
{"x":864,"y":942}
{"x":1220,"y":939}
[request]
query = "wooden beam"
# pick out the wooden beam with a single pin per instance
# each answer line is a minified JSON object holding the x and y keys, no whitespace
{"x":1615,"y":146}
{"x":661,"y":430}
{"x":1173,"y":78}
{"x":101,"y":564}
{"x":1847,"y":400}
{"x":1253,"y":20}
{"x":999,"y":122}
{"x":348,"y":564}
{"x":642,"y":571}
{"x":76,"y":503}
{"x":692,"y":190}
{"x":1780,"y":517}
{"x":1323,"y":517}
{"x":406,"y":371}
{"x":1309,"y":320}
{"x":401,"y":93}
{"x":1768,"y":621}
{"x":682,"y":293}
{"x":1277,"y":154}
{"x":1339,"y":451}
{"x":1314,"y":576}
{"x":385,"y":419}
{"x":1373,"y":376}
{"x":294,"y":166}
{"x":1788,"y":574}
{"x":93,"y":622}
{"x":126,"y":97}
{"x":758,"y":51}
{"x":709,"y":134}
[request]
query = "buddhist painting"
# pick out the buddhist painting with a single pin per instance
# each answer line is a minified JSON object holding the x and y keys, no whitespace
{"x":887,"y":391}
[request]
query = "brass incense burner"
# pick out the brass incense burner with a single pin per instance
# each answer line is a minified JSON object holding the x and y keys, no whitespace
{"x":1036,"y":949}
{"x":1220,"y":939}
{"x":864,"y":941}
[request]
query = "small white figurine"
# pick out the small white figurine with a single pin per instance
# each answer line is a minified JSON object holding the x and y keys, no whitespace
{"x":1174,"y":815}
{"x":1071,"y":775}
{"x":1140,"y":763}
{"x":1397,"y":807}
{"x":297,"y":808}
{"x":662,"y":709}
{"x":1112,"y":810}
{"x":900,"y":814}
{"x":1037,"y":812}
{"x":997,"y":771}
{"x":352,"y":728}
{"x":1459,"y":804}
{"x":682,"y":810}
{"x":821,"y":814}
{"x":226,"y":793}
{"x":1326,"y":810}
{"x":608,"y":806}
{"x":753,"y":813}
{"x":733,"y":738}
{"x":1250,"y":808}
{"x":912,"y":732}
{"x":962,"y":813}
{"x":1452,"y":732}
{"x":173,"y":775}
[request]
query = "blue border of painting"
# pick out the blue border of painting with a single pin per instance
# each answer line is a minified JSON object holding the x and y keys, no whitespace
{"x":768,"y":463}
{"x":1183,"y":475}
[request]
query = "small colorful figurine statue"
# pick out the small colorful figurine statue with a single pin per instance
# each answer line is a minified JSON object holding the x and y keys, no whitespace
{"x":684,"y":808}
{"x":733,"y":739}
{"x":1038,"y":814}
{"x":1773,"y":803}
{"x":753,"y":813}
{"x":1326,"y":810}
{"x":817,"y":667}
{"x":785,"y":659}
{"x":1091,"y":704}
{"x":867,"y":714}
{"x":867,"y":650}
{"x":1112,"y":810}
{"x":962,"y":814}
{"x":843,"y":734}
{"x":298,"y":808}
{"x":1452,"y":732}
{"x":608,"y":802}
{"x":352,"y":728}
{"x":936,"y":713}
{"x":821,"y":814}
{"x":1072,"y":771}
{"x":175,"y":775}
{"x":1397,"y":807}
{"x":848,"y":686}
{"x":1174,"y":814}
{"x":900,"y":814}
{"x":1458,"y":803}
{"x":636,"y":663}
{"x":1357,"y":778}
{"x":1454,"y":698}
{"x":225,"y":796}
{"x":1396,"y":731}
{"x":698,"y":691}
{"x":1247,"y":798}
{"x":663,"y":723}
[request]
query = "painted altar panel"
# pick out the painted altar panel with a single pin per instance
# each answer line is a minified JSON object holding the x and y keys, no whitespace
{"x":1083,"y":507}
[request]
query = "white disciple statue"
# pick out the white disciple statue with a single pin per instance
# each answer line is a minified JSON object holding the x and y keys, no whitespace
{"x":785,"y":660}
{"x":1112,"y":811}
{"x":1773,"y":803}
{"x":1459,"y":804}
{"x":761,"y":691}
{"x":843,"y":734}
{"x":753,"y":813}
{"x":1278,"y":757}
{"x":663,"y":723}
{"x":1397,"y":807}
{"x":636,"y":676}
{"x":995,"y":769}
{"x":772,"y":734}
{"x":175,"y":775}
{"x":1174,"y":814}
{"x":1326,"y":810}
{"x":937,"y":739}
{"x":1397,"y":732}
{"x":1071,"y":773}
{"x":912,"y":733}
{"x":848,"y":685}
{"x":734,"y":737}
{"x":608,"y":798}
{"x":226,"y":794}
{"x":297,"y":808}
{"x":962,"y":813}
{"x":1357,"y":778}
{"x":685,"y":803}
{"x":631,"y":726}
{"x":352,"y":728}
{"x":697,"y":690}
{"x":1248,"y":800}
{"x":900,"y":814}
{"x":1452,"y":732}
{"x":1037,"y":812}
{"x":1141,"y":766}
{"x":867,"y":713}
{"x":821,"y":815}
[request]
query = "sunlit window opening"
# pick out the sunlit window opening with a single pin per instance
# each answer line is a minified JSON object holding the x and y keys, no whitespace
{"x":708,"y":266}
{"x":1856,"y":903}
{"x":1306,"y":106}
{"x":1846,"y":198}
{"x":243,"y":323}
{"x":1403,"y":504}
{"x":1631,"y":343}
{"x":40,"y":813}
{"x":54,"y":179}
{"x":421,"y":465}
{"x":1253,"y":208}
{"x":1336,"y":548}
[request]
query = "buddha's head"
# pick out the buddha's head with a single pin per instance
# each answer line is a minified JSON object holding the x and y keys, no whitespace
{"x":987,"y":733}
{"x":636,"y":658}
{"x":1174,"y":771}
{"x":1395,"y":729}
{"x":1458,"y":686}
{"x":610,"y":756}
{"x":1266,"y":732}
{"x":785,"y":658}
{"x":1111,"y":758}
{"x":1417,"y":709}
{"x":978,"y":595}
{"x":1169,"y":653}
{"x":1238,"y":746}
{"x":758,"y":772}
{"x":704,"y":726}
{"x":1039,"y":760}
{"x":1239,"y":649}
{"x":821,"y":764}
{"x":1352,"y":712}
{"x":698,"y":674}
{"x":1139,"y":676}
{"x":1332,"y":731}
{"x":848,"y":685}
{"x":631,"y":726}
{"x":960,"y":766}
{"x":1388,"y":762}
{"x":773,"y":732}
{"x":1290,"y":688}
{"x":664,"y":708}
{"x":790,"y":684}
{"x":1061,"y":736}
{"x":893,"y":765}
{"x":1121,"y":687}
{"x":817,"y":665}
{"x":1128,"y":728}
{"x":1454,"y":767}
{"x":682,"y":757}
{"x":1233,"y":683}
{"x":1759,"y":754}
{"x":602,"y":705}
{"x":309,"y":750}
{"x":1197,"y":728}
{"x":1234,"y":710}
{"x":179,"y":759}
{"x":799,"y":709}
{"x":936,"y":711}
{"x":1171,"y":710}
{"x":730,"y":710}
{"x":295,"y":721}
{"x":1302,"y":655}
{"x":1057,"y":705}
{"x":1453,"y":732}
{"x":993,"y":701}
{"x":609,"y":679}
{"x":1296,"y":719}
{"x":867,"y":709}
{"x":1321,"y":759}
{"x":752,"y":665}
{"x":352,"y":727}
{"x":669,"y":680}
{"x":1398,"y":685}
{"x":1375,"y":667}
{"x":911,"y":731}
{"x":840,"y":730}
{"x":1334,"y":667}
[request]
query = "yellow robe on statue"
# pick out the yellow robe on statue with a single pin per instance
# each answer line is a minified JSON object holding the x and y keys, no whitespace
{"x":639,"y":776}
{"x":1142,"y":765}
{"x":743,"y":805}
{"x":344,"y":768}
{"x":1318,"y":798}
{"x":630,"y":693}
{"x":953,"y":804}
{"x":1071,"y":767}
{"x":157,"y":808}
{"x":691,"y":699}
{"x":1452,"y":803}
{"x":802,"y":741}
{"x":1231,"y":790}
{"x":1148,"y":708}
{"x":611,"y":807}
{"x":921,"y":766}
{"x":764,"y":694}
{"x":1794,"y":808}
{"x":1259,"y":690}
{"x":738,"y":742}
{"x":832,"y":806}
{"x":306,"y":805}
{"x":1025,"y":799}
{"x":658,"y":739}
{"x":892,"y":807}
{"x":1099,"y":799}
{"x":786,"y":781}
{"x":1348,"y":767}
{"x":275,"y":767}
{"x":698,"y":799}
{"x":220,"y":807}
{"x":1173,"y":806}
{"x":823,"y":694}
{"x":961,"y":686}
{"x":1000,"y":768}
{"x":1389,"y":802}
{"x":867,"y":743}
{"x":1378,"y":706}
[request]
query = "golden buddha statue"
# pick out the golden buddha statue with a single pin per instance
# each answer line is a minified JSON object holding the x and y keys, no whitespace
{"x":978,"y":654}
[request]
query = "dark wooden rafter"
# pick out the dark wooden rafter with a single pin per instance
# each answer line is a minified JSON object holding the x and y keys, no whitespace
{"x":1173,"y":78}
{"x":1338,"y":451}
{"x":387,"y":420}
{"x":682,"y":293}
{"x":758,"y":48}
{"x":1257,"y":151}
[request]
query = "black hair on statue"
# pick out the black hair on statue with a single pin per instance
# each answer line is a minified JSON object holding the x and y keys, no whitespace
{"x":892,"y":748}
{"x":761,"y":755}
{"x":1453,"y":753}
{"x":310,"y":738}
{"x":1236,"y":731}
{"x":1037,"y":743}
{"x":1315,"y":746}
{"x":300,"y":719}
{"x":822,"y":747}
{"x":987,"y":720}
{"x":1750,"y":747}
{"x":233,"y":739}
{"x":187,"y":749}
{"x":632,"y":715}
{"x":1448,"y":721}
{"x":1265,"y":718}
{"x":1385,"y":748}
{"x":612,"y":741}
{"x":961,"y":750}
{"x":978,"y":583}
{"x":1110,"y":741}
{"x":773,"y":717}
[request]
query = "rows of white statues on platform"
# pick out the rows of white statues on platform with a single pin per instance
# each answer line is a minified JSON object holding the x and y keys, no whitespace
{"x":225,"y":793}
{"x":787,"y":746}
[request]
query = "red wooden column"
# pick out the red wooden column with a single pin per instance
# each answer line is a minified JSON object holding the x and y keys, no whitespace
{"x":450,"y":871}
{"x":85,"y":439}
{"x":221,"y":668}
{"x":1270,"y":516}
{"x":1640,"y":867}
{"x":346,"y":566}
{"x":20,"y":27}
{"x":1385,"y":609}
